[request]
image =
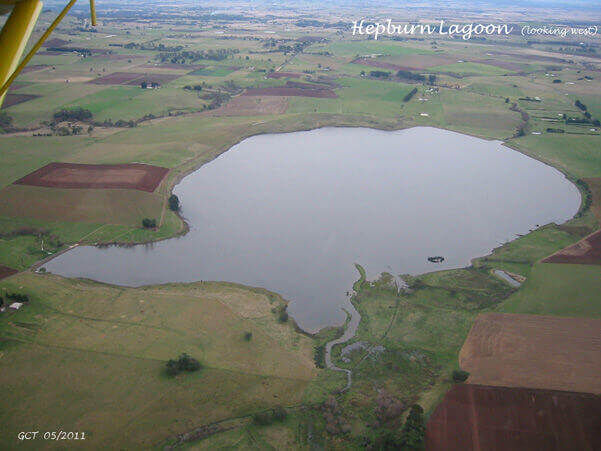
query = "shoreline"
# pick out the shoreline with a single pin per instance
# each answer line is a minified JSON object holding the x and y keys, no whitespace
{"x":178,"y":173}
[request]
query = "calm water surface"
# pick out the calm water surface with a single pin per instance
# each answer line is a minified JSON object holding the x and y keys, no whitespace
{"x":293,"y":213}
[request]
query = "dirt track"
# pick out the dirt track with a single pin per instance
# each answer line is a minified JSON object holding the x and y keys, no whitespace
{"x":477,"y":417}
{"x":546,"y":352}
{"x":142,"y":177}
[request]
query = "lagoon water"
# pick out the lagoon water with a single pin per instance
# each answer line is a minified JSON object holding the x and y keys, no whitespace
{"x":293,"y":212}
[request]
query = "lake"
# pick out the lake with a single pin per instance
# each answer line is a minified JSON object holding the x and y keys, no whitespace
{"x":293,"y":212}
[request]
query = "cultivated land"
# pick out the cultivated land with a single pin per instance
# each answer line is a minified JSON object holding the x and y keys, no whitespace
{"x":67,"y":175}
{"x":217,"y":79}
{"x":534,"y":351}
{"x":501,"y":418}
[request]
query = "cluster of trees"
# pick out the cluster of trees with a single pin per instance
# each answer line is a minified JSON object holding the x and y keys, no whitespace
{"x":286,"y":45}
{"x":410,"y":95}
{"x":173,"y":203}
{"x":68,"y":130}
{"x":379,"y":74}
{"x":319,"y":356}
{"x":188,"y":56}
{"x":73,"y":114}
{"x":588,"y":197}
{"x":268,"y":417}
{"x":193,"y":88}
{"x":82,"y":51}
{"x":555,"y":130}
{"x":183,"y":363}
{"x":588,"y":119}
{"x":149,"y":223}
{"x":153,"y":46}
{"x":17,"y":297}
{"x":217,"y":99}
{"x":408,"y":75}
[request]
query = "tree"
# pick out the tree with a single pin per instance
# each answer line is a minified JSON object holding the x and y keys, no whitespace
{"x":183,"y":363}
{"x":144,"y":85}
{"x":148,"y":223}
{"x":283,"y":316}
{"x":248,"y":336}
{"x":279,"y":413}
{"x":173,"y":203}
{"x":414,"y":430}
{"x":460,"y":375}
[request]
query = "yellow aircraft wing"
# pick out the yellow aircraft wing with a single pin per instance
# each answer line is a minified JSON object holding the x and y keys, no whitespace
{"x":16,"y":33}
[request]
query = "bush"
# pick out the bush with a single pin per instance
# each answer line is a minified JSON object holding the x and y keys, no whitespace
{"x":148,"y":223}
{"x":460,"y":376}
{"x":283,"y":316}
{"x":248,"y":336}
{"x":263,"y":418}
{"x":279,"y":413}
{"x":173,"y":203}
{"x":183,"y":363}
{"x":319,"y":356}
{"x":16,"y":297}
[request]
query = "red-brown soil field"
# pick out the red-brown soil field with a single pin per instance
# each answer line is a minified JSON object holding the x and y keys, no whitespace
{"x":5,"y":272}
{"x":293,"y":91}
{"x":587,"y":251}
{"x":251,"y":105}
{"x":406,"y":62}
{"x":15,"y":99}
{"x":479,"y":417}
{"x":547,"y":352}
{"x":283,"y":75}
{"x":142,"y":177}
{"x":55,"y":42}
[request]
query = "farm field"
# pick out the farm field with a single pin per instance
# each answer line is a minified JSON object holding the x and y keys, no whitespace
{"x":174,"y":88}
{"x":105,"y":351}
{"x":480,"y":417}
{"x":533,"y":351}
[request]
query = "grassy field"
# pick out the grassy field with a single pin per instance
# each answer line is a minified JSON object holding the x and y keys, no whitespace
{"x":106,"y":347}
{"x":559,"y":289}
{"x":102,"y":348}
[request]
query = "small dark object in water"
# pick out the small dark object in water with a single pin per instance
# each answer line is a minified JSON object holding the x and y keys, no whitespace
{"x":437,"y":259}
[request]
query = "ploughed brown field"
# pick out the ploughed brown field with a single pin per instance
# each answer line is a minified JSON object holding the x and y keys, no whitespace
{"x":133,"y":78}
{"x":479,"y":417}
{"x":547,"y":352}
{"x":283,"y":75}
{"x":143,"y":177}
{"x":587,"y":251}
{"x":5,"y":272}
{"x":406,"y":62}
{"x":250,"y":106}
{"x":15,"y":99}
{"x":294,"y":90}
